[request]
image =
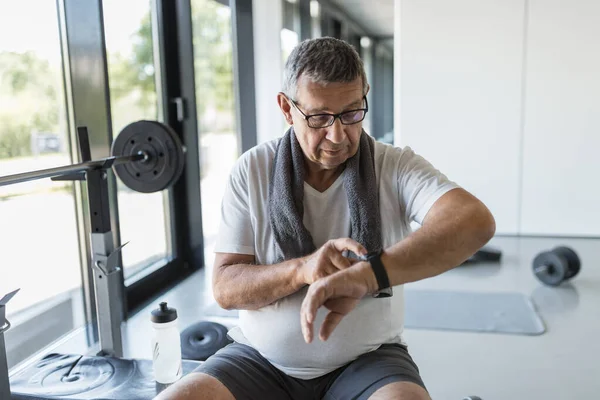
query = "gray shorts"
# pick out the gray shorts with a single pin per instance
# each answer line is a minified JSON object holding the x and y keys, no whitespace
{"x":248,"y":375}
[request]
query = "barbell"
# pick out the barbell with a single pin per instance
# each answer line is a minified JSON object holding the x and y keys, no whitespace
{"x":147,"y":156}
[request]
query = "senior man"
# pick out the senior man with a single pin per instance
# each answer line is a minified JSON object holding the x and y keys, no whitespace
{"x":316,"y":238}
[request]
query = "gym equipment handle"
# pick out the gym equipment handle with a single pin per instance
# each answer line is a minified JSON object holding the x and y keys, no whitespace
{"x":104,"y":163}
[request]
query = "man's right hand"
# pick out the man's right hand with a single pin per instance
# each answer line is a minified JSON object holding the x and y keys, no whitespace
{"x":329,"y":259}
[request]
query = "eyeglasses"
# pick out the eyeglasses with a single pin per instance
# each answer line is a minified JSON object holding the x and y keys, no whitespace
{"x":349,"y":117}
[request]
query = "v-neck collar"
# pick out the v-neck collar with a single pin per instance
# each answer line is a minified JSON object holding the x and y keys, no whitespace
{"x":314,"y":192}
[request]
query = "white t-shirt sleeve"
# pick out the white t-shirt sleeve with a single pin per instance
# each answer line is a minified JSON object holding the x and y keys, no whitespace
{"x":236,"y":234}
{"x":420,"y":185}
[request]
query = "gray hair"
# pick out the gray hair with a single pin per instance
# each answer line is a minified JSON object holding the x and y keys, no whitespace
{"x":323,"y":60}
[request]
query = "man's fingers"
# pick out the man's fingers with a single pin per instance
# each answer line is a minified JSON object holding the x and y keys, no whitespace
{"x":349,"y":244}
{"x":328,"y":292}
{"x":307,"y":328}
{"x":329,"y":324}
{"x":339,"y":308}
{"x":315,"y":297}
{"x":339,"y":261}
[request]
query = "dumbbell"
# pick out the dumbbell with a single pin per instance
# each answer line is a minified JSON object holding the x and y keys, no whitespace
{"x":556,"y":266}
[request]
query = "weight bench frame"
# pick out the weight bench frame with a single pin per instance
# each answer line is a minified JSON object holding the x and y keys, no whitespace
{"x":107,"y":280}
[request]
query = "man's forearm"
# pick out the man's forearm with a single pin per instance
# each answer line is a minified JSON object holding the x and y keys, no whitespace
{"x":449,"y":236}
{"x":250,"y":287}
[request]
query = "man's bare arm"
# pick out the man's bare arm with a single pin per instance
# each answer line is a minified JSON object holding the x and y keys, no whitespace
{"x":456,"y":226}
{"x":240,"y":284}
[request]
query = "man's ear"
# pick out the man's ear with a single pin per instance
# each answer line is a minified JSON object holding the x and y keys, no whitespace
{"x":286,"y":108}
{"x":368,"y":88}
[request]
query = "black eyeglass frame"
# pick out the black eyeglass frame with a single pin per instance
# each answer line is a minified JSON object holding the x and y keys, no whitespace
{"x":335,"y":116}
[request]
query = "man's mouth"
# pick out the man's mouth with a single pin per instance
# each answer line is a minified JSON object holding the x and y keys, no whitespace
{"x":332,"y":151}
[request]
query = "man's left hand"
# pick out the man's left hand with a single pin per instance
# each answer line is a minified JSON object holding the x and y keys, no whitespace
{"x":339,"y":293}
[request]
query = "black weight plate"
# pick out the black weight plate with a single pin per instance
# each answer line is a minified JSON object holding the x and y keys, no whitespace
{"x":203,"y":339}
{"x":556,"y":271}
{"x":165,"y":156}
{"x":181,"y":159}
{"x":572,"y":259}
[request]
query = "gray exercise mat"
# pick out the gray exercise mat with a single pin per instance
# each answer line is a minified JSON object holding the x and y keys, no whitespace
{"x":509,"y":312}
{"x":512,"y":313}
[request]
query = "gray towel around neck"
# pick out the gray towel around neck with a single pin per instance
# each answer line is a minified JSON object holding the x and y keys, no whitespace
{"x":286,"y":198}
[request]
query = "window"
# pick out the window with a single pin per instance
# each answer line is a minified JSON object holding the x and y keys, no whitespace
{"x":291,"y":15}
{"x":38,"y":228}
{"x":129,"y":47}
{"x":290,"y":32}
{"x":366,"y":54}
{"x":315,"y":15}
{"x":289,"y":40}
{"x":213,"y":65}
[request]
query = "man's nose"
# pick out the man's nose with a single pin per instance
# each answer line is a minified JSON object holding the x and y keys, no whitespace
{"x":335,"y":133}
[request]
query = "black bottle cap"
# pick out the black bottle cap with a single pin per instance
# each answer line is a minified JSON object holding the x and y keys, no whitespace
{"x":163,"y":314}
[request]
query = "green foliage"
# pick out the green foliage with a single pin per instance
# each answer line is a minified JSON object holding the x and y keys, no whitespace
{"x":15,"y":137}
{"x":212,"y":56}
{"x":29,"y":101}
{"x":30,"y":86}
{"x":134,"y":73}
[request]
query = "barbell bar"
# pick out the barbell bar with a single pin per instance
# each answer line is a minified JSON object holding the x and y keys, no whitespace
{"x":147,"y":156}
{"x":72,"y":169}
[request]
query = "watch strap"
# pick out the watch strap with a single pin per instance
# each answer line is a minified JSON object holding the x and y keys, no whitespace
{"x":383,"y":282}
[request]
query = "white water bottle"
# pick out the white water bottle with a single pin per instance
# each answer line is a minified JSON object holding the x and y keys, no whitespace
{"x":166,"y":345}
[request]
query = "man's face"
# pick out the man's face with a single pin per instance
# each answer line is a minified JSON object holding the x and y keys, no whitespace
{"x":326,"y":148}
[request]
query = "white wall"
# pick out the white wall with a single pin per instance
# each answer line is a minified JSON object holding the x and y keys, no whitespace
{"x":561,"y":163}
{"x":503,"y":96}
{"x":460,"y":94}
{"x":267,"y":21}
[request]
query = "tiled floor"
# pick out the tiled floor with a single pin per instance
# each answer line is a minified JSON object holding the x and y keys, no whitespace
{"x":561,"y":364}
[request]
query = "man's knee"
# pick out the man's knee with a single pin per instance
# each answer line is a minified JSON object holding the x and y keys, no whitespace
{"x":400,"y":391}
{"x":196,"y":386}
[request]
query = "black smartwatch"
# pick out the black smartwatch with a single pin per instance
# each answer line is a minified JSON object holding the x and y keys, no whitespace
{"x":383,"y":282}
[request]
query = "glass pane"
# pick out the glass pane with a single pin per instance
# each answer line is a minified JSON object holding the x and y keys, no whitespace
{"x":315,"y":15}
{"x":129,"y":46}
{"x":216,"y":110}
{"x":291,"y":15}
{"x":39,"y":229}
{"x":289,"y":40}
{"x":366,"y":55}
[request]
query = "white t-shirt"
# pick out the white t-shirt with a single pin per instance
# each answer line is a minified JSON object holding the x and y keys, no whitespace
{"x":408,"y":187}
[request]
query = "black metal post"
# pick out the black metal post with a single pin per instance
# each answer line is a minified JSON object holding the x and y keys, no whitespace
{"x":243,"y":72}
{"x":4,"y":326}
{"x":305,"y":20}
{"x":4,"y":381}
{"x":88,"y":95}
{"x":175,"y":52}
